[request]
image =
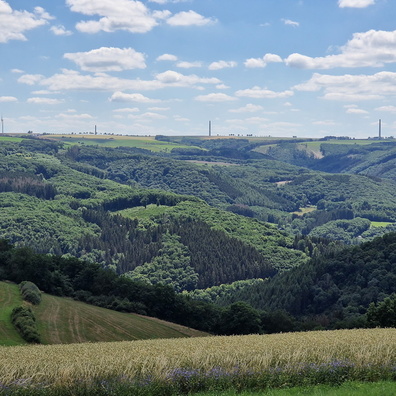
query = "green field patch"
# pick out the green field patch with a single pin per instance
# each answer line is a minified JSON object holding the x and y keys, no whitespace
{"x":141,"y":212}
{"x":10,"y":139}
{"x":380,"y":223}
{"x":10,"y":297}
{"x":147,"y":142}
{"x":305,"y":210}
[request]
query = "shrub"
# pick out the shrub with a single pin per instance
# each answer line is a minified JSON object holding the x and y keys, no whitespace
{"x":24,"y":321}
{"x":30,"y":292}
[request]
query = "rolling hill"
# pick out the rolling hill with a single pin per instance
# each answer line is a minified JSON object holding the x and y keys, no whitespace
{"x":65,"y":321}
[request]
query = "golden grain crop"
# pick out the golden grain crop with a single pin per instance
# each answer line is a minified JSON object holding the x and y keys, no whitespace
{"x":64,"y":364}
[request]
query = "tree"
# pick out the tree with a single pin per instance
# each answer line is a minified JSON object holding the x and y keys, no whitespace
{"x":382,"y":314}
{"x":240,"y":318}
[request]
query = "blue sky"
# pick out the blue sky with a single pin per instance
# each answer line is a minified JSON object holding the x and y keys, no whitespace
{"x":306,"y":68}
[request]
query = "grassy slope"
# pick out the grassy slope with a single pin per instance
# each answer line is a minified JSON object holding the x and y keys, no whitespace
{"x":64,"y":321}
{"x":9,"y":298}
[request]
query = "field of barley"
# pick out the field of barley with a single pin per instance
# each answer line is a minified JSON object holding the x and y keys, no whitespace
{"x":186,"y":365}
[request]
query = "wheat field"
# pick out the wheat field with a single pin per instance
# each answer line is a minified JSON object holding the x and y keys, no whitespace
{"x":66,"y":364}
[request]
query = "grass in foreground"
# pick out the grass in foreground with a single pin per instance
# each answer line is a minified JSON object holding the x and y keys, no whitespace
{"x":346,"y":389}
{"x":188,"y":366}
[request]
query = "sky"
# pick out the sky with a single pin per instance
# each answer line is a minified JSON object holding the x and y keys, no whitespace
{"x":282,"y":68}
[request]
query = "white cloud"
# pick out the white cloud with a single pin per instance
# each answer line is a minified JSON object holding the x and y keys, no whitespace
{"x":148,"y":116}
{"x":215,"y":97}
{"x":136,"y":97}
{"x":127,"y":110}
{"x":30,"y":79}
{"x":222,"y":65}
{"x":355,"y":3}
{"x":189,"y":18}
{"x":4,"y":99}
{"x":222,"y":86}
{"x":68,"y":116}
{"x":189,"y":65}
{"x":13,"y":24}
{"x":352,"y":87}
{"x":107,"y":59}
{"x":263,"y":93}
{"x":354,"y":109}
{"x":373,"y":48}
{"x":180,"y":80}
{"x":389,"y":109}
{"x":263,"y":62}
{"x":17,"y":71}
{"x":290,"y":22}
{"x":129,"y":15}
{"x":73,"y":80}
{"x":249,"y":108}
{"x":167,"y":57}
{"x":47,"y":101}
{"x":159,"y":108}
{"x":60,"y":30}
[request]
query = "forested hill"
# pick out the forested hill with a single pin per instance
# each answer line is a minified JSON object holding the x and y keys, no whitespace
{"x":334,"y":289}
{"x":55,"y":205}
{"x":345,"y":208}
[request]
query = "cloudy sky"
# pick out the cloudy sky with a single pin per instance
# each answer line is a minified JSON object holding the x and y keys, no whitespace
{"x":308,"y":68}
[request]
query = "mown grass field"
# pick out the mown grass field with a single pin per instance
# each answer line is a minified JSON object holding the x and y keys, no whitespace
{"x":380,"y":223}
{"x":9,"y":298}
{"x":143,"y":142}
{"x":181,"y":366}
{"x":64,"y":321}
{"x":9,"y":139}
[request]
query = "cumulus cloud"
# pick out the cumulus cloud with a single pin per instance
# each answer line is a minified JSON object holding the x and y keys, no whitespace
{"x":135,"y":97}
{"x":30,"y":79}
{"x":4,"y":99}
{"x":167,"y":57}
{"x":189,"y":18}
{"x":222,"y":65}
{"x":60,"y":30}
{"x":129,"y":15}
{"x":215,"y":97}
{"x":389,"y":109}
{"x":249,"y":108}
{"x":107,"y":59}
{"x":263,"y":93}
{"x":352,"y":87}
{"x":290,"y":22}
{"x":373,"y":48}
{"x":263,"y":62}
{"x":354,"y":109}
{"x":47,"y":101}
{"x":355,"y":3}
{"x":13,"y":24}
{"x":127,"y":110}
{"x":189,"y":65}
{"x":73,"y":80}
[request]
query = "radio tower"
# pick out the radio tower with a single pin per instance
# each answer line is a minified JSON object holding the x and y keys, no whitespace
{"x":379,"y":129}
{"x":210,"y":128}
{"x":2,"y":124}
